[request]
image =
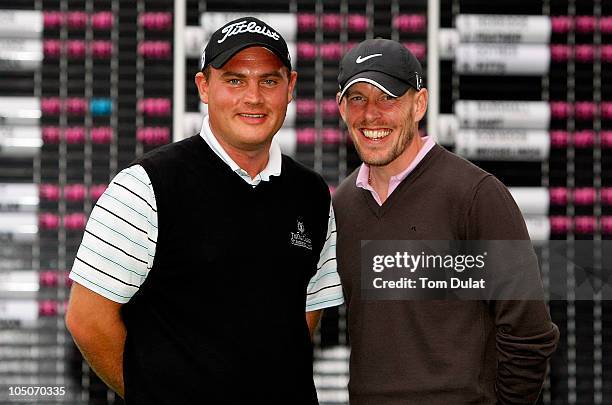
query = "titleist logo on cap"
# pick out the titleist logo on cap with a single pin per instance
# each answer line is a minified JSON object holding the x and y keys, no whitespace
{"x":242,"y":27}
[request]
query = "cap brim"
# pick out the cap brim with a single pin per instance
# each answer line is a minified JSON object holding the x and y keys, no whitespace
{"x":386,"y":83}
{"x":225,"y":56}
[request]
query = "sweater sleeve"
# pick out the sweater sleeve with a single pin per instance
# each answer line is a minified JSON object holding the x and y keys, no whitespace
{"x":526,"y":337}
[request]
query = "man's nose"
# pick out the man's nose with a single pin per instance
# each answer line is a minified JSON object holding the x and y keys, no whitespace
{"x":371,"y":111}
{"x":253,"y":94}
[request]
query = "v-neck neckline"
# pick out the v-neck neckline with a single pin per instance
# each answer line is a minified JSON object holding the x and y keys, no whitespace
{"x":380,"y":210}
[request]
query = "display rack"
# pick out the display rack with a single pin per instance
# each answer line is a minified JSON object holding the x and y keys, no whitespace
{"x":523,"y":89}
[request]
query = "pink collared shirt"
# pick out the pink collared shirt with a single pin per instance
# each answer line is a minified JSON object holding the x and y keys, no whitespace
{"x":394,"y":181}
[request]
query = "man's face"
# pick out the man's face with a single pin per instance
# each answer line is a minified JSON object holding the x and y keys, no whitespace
{"x":382,"y":127}
{"x":247,"y":98}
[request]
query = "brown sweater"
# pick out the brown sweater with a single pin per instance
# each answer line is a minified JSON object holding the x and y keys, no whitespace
{"x":439,"y":352}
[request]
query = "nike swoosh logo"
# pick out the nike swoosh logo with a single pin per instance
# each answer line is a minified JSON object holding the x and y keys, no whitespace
{"x":363,"y":59}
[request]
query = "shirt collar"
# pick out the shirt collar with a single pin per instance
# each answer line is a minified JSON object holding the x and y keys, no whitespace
{"x":364,"y":170}
{"x":273,"y":168}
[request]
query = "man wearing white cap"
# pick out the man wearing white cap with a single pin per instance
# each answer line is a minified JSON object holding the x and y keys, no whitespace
{"x":435,"y":352}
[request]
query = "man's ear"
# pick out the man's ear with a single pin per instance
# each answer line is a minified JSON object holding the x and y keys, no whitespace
{"x":341,"y":106}
{"x":292,"y":80}
{"x":420,"y":104}
{"x":202,"y":85}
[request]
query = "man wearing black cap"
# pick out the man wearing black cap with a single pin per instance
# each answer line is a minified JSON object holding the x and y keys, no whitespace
{"x":435,"y":352}
{"x":200,"y":259}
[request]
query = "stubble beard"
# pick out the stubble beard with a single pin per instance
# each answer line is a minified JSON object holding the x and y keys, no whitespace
{"x":403,"y":141}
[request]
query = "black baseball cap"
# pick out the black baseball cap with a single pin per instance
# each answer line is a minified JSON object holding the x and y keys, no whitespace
{"x":239,"y":34}
{"x":384,"y":63}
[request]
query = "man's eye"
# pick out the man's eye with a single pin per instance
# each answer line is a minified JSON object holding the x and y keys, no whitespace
{"x":234,"y":82}
{"x":269,"y":82}
{"x":356,"y":98}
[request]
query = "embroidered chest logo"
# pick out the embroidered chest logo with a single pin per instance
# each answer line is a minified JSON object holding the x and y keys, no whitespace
{"x":301,"y":238}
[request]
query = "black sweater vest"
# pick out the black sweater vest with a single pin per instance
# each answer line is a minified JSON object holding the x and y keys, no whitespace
{"x":220,"y":318}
